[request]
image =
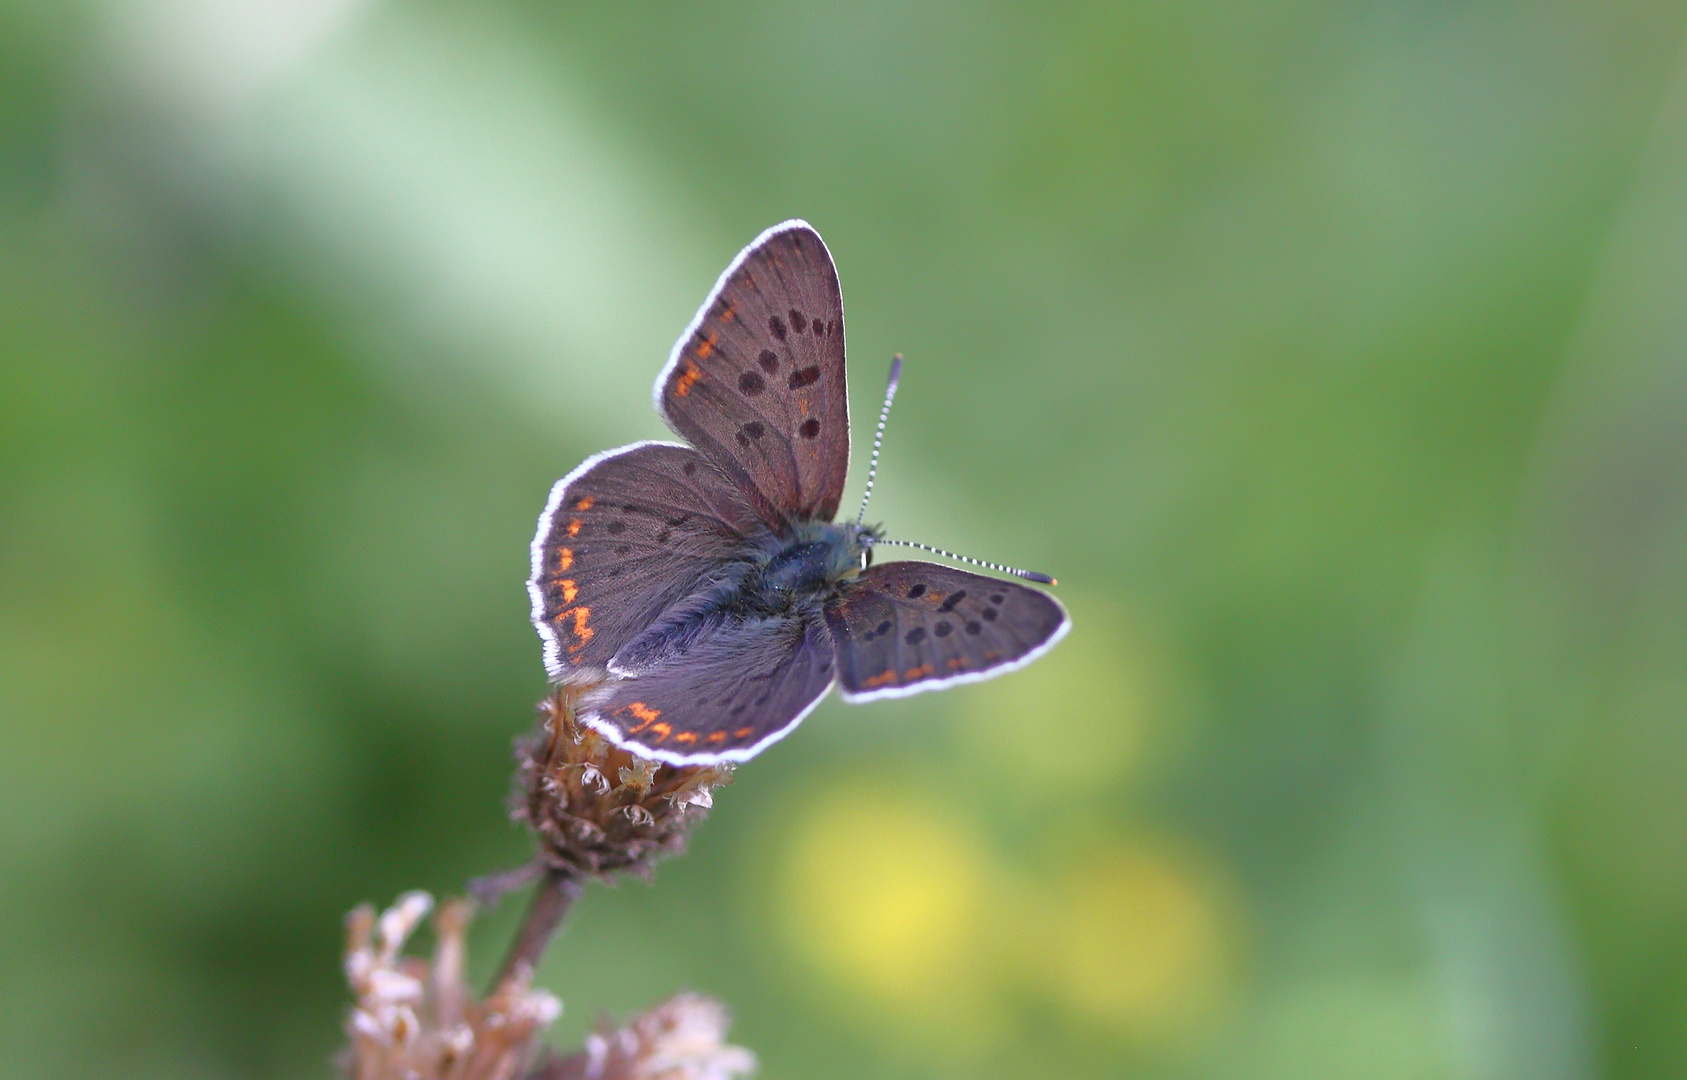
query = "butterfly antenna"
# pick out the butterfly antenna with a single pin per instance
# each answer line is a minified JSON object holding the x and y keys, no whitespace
{"x":1028,"y":575}
{"x":879,"y":436}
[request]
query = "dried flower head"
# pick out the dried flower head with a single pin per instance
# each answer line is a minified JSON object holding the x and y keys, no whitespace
{"x":597,"y":809}
{"x":416,"y":1020}
{"x":681,"y":1039}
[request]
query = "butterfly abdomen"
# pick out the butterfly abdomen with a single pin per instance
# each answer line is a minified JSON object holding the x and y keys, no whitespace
{"x":672,"y":634}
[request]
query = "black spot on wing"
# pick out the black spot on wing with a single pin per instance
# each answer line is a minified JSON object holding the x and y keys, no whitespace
{"x":809,"y":429}
{"x":916,"y":590}
{"x":750,"y":384}
{"x":768,"y":360}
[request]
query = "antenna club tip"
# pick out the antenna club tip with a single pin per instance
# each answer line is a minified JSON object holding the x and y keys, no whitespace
{"x":895,"y":369}
{"x":1041,"y":579}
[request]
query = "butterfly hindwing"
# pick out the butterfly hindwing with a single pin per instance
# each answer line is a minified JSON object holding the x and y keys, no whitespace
{"x":624,"y":537}
{"x":738,"y":688}
{"x":757,"y":381}
{"x":903,"y":627}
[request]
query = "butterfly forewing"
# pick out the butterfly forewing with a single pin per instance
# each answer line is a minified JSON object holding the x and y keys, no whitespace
{"x":624,"y":537}
{"x":902,"y":627}
{"x":757,"y":383}
{"x":740,"y":687}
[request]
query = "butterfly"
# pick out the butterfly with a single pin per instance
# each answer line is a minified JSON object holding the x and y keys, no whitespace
{"x":700,"y":593}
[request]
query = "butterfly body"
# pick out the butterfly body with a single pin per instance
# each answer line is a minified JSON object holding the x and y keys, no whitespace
{"x":701,"y":594}
{"x":794,"y":579}
{"x":822,"y":555}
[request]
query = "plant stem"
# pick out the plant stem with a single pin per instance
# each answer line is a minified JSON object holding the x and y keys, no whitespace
{"x":556,"y":893}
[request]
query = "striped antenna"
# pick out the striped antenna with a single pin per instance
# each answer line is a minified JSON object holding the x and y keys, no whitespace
{"x":1028,"y":575}
{"x":879,"y":436}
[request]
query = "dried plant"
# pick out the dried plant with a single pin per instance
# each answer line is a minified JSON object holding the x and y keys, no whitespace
{"x":595,"y":811}
{"x":681,"y":1039}
{"x":416,"y":1020}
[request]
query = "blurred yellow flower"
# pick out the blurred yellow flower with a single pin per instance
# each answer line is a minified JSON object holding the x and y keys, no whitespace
{"x":887,"y":896}
{"x":1135,"y":943}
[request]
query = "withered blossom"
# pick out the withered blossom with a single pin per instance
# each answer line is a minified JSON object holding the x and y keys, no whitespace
{"x":681,"y":1039}
{"x":416,"y":1019}
{"x":596,"y":809}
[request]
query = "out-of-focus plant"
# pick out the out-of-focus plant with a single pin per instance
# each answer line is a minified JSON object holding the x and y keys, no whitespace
{"x":596,"y":811}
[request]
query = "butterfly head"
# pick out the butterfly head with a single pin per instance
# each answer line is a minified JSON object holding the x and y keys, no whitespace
{"x":864,"y":539}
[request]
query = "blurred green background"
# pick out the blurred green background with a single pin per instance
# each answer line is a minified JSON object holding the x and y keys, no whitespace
{"x":1334,"y":356}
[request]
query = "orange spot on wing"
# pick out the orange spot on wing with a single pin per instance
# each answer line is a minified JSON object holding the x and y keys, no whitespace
{"x":717,"y":736}
{"x":883,"y":678}
{"x":743,"y":733}
{"x":583,"y":504}
{"x":564,"y":559}
{"x":643,"y":712}
{"x":706,"y":347}
{"x":918,"y":673}
{"x":662,"y":731}
{"x":569,"y":592}
{"x":574,"y":527}
{"x":727,"y":312}
{"x":690,"y":375}
{"x":957,"y":662}
{"x":582,"y":632}
{"x":687,"y":737}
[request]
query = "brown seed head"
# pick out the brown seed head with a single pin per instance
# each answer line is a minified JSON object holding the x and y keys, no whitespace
{"x":597,"y":809}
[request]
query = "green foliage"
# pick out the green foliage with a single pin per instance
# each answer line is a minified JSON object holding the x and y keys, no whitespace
{"x":1332,"y":359}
